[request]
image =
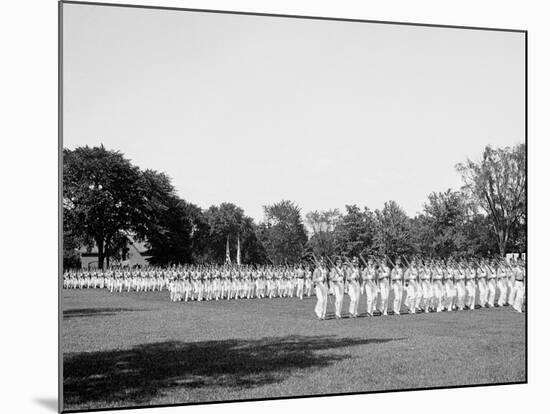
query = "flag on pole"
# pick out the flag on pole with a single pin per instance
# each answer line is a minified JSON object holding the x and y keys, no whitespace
{"x":227,"y":255}
{"x":238,"y":251}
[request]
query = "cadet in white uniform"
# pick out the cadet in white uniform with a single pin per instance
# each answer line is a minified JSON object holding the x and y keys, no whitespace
{"x":397,"y":286}
{"x":450,"y":291}
{"x":437,"y":300}
{"x":337,"y":284}
{"x":519,"y":286}
{"x":491,"y":285}
{"x":384,"y":287}
{"x":354,"y":288}
{"x":426,"y":288}
{"x":460,"y":286}
{"x":411,"y":277}
{"x":470,"y":286}
{"x":483,"y":289}
{"x":502,"y":287}
{"x":320,"y":278}
{"x":369,"y":287}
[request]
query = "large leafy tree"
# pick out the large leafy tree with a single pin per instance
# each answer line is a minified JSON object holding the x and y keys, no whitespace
{"x":498,"y":184}
{"x":282,"y":233}
{"x":393,"y":236}
{"x":71,"y":258}
{"x":173,"y":239}
{"x":172,"y":228}
{"x":103,"y":196}
{"x":322,"y":226}
{"x":450,"y":225}
{"x":446,"y":215}
{"x":228,"y":223}
{"x":355,"y":231}
{"x":479,"y":235}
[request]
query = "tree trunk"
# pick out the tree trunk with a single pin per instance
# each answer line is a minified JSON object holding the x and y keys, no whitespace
{"x":100,"y":252}
{"x":107,"y":249}
{"x":502,"y":242}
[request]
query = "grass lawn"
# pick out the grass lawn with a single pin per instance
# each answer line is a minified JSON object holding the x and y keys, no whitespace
{"x":141,"y":349}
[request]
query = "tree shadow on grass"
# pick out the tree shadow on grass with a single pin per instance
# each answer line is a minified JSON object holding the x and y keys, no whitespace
{"x":138,"y":374}
{"x":90,"y":312}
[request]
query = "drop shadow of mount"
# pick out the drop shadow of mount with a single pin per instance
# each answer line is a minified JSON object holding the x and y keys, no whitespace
{"x":138,"y":374}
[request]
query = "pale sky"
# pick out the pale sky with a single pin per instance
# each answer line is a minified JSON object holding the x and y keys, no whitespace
{"x":253,"y":110}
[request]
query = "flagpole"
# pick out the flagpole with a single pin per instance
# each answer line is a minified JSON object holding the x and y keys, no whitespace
{"x":227,"y":254}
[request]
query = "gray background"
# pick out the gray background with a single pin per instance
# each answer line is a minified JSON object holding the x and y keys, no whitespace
{"x":254,"y":109}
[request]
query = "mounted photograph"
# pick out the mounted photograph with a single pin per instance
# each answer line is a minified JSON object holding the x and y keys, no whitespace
{"x":259,"y":206}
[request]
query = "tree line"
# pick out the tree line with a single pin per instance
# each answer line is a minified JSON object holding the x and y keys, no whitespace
{"x":108,"y":201}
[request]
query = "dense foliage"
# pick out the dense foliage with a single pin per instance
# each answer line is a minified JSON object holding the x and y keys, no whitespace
{"x":108,"y":203}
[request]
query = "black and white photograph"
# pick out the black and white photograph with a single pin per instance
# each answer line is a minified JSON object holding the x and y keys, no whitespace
{"x":262,"y":206}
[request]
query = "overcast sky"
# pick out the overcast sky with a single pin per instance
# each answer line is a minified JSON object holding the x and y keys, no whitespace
{"x":252,"y":110}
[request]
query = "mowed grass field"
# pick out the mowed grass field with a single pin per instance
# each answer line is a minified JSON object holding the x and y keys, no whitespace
{"x":141,"y":349}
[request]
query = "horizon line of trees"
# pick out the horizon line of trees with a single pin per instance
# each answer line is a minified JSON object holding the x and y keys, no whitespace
{"x":107,"y":201}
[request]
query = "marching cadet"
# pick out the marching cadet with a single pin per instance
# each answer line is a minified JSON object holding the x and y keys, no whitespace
{"x":289,"y":282}
{"x":397,"y":286}
{"x":263,"y":282}
{"x":491,"y":284}
{"x":238,"y":278}
{"x":448,"y":283}
{"x":425,"y":275}
{"x":460,"y":286}
{"x":337,"y":282}
{"x":172,"y":290}
{"x":197,"y":284}
{"x":437,"y":275}
{"x":320,"y":278}
{"x":482,"y":287}
{"x":300,"y":281}
{"x":410,"y":277}
{"x":208,"y":280}
{"x":519,"y":285}
{"x":368,"y":277}
{"x":279,"y":275}
{"x":308,"y":282}
{"x":383,"y":287}
{"x":226,"y":283}
{"x":509,"y":282}
{"x":354,"y":289}
{"x":501,"y":284}
{"x":270,"y":283}
{"x":470,"y":274}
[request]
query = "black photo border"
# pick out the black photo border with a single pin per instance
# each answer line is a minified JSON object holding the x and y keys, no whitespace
{"x":303,"y":17}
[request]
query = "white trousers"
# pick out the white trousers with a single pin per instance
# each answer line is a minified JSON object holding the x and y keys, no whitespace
{"x":309,"y":287}
{"x":300,"y":288}
{"x":371,"y":291}
{"x":450,"y":295}
{"x":491,"y":292}
{"x":518,"y":295}
{"x":437,"y":300}
{"x":426,"y":287}
{"x":410,"y":298}
{"x":510,"y":285}
{"x":384,"y":290}
{"x":322,"y":297}
{"x":470,"y":301}
{"x":483,"y":291}
{"x":338,"y":289}
{"x":397,"y":290}
{"x":502,"y":291}
{"x":460,"y":294}
{"x":354,"y":292}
